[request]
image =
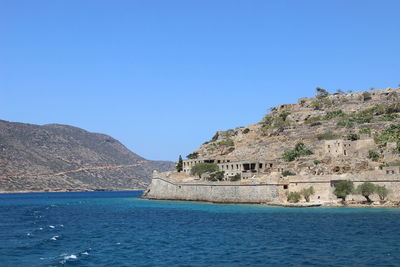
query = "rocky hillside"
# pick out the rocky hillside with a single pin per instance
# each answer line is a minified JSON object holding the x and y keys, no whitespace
{"x":371,"y":115}
{"x":59,"y":157}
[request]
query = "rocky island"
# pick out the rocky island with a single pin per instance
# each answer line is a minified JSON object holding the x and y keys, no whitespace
{"x":321,"y":150}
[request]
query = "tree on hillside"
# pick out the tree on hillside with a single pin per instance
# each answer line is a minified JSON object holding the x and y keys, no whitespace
{"x":307,"y":193}
{"x":343,"y":189}
{"x":366,"y":189}
{"x":179,"y":164}
{"x":201,"y":168}
{"x":382,"y":192}
{"x":321,"y":93}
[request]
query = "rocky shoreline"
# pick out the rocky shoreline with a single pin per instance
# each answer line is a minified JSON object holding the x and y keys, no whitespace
{"x":351,"y":204}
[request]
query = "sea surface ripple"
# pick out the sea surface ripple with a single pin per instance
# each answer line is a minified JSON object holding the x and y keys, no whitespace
{"x":119,"y":229}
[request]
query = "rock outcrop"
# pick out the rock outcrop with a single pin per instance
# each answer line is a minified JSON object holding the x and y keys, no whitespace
{"x":315,"y":122}
{"x":57,"y":157}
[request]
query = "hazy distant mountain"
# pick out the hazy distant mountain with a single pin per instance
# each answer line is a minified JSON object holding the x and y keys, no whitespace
{"x":60,"y":157}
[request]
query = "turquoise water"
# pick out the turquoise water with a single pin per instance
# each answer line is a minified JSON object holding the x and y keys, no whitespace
{"x":117,"y":228}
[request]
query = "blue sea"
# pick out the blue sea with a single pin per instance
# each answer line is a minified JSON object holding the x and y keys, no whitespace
{"x":119,"y":229}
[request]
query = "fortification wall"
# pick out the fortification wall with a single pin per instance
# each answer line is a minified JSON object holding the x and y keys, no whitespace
{"x":265,"y":190}
{"x":211,"y":192}
{"x":324,"y":188}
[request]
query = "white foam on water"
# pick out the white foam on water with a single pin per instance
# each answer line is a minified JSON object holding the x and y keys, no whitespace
{"x":52,"y":226}
{"x":62,"y":225}
{"x":118,"y":243}
{"x":85,"y":253}
{"x":70,"y":257}
{"x":28,"y":234}
{"x":54,"y":237}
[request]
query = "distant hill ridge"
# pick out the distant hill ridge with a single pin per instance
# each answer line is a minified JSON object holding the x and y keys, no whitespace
{"x":56,"y":157}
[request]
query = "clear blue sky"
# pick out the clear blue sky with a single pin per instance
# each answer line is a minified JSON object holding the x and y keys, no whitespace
{"x":163,"y":76}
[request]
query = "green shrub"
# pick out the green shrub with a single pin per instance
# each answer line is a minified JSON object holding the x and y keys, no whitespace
{"x":246,"y":131}
{"x":345,"y":123}
{"x":343,"y":189}
{"x":366,"y":189}
{"x":201,"y":168}
{"x":298,"y":151}
{"x":288,"y":173}
{"x":227,"y":142}
{"x":293,"y":197}
{"x":193,"y":155}
{"x":381,"y":191}
{"x":321,"y":103}
{"x":283,"y":115}
{"x":382,"y":166}
{"x":365,"y":131}
{"x":353,"y":137}
{"x":374,"y":155}
{"x":392,"y":134}
{"x":334,"y":114}
{"x":269,"y":121}
{"x":307,"y":193}
{"x":316,"y":162}
{"x":236,"y":178}
{"x":217,"y":176}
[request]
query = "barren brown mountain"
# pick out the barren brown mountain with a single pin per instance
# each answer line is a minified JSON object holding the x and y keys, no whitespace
{"x":57,"y":157}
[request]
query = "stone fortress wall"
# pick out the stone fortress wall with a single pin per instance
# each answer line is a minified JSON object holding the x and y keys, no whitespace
{"x":175,"y":186}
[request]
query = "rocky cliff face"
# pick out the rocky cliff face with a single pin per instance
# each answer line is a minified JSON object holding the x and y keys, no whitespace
{"x":59,"y":157}
{"x":365,"y":116}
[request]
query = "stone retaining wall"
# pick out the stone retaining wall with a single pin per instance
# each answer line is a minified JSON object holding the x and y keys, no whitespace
{"x":222,"y":193}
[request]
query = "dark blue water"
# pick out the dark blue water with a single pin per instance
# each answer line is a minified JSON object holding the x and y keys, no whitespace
{"x":116,"y":228}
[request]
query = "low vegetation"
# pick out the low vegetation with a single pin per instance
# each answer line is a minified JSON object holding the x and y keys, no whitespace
{"x":298,"y":151}
{"x":307,"y":193}
{"x":236,"y":178}
{"x":201,"y":168}
{"x":392,"y":134}
{"x":365,"y":131}
{"x":246,"y":131}
{"x":293,"y":197}
{"x":193,"y":155}
{"x":353,"y":137}
{"x":216,"y":176}
{"x":288,"y":173}
{"x":373,"y":114}
{"x":227,"y":142}
{"x":374,"y":155}
{"x":271,"y":121}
